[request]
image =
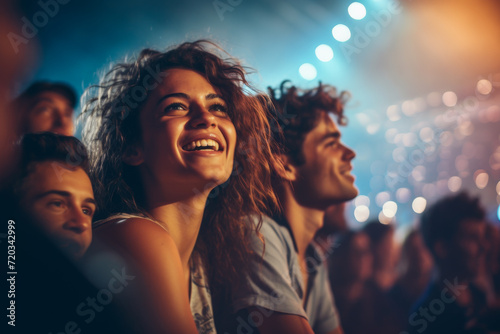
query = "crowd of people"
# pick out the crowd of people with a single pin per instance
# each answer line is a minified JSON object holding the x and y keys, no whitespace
{"x":198,"y":204}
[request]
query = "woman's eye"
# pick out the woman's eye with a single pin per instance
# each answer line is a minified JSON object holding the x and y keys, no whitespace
{"x":218,"y":109}
{"x":175,"y":108}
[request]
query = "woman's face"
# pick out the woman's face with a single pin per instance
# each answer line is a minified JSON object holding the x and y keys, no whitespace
{"x":188,"y":138}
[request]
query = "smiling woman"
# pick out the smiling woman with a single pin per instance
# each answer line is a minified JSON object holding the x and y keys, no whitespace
{"x":180,"y":153}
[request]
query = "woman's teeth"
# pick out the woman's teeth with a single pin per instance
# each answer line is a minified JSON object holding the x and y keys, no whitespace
{"x":202,"y":145}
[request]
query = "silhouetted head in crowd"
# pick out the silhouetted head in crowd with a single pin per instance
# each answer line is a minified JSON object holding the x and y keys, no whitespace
{"x":53,"y":188}
{"x":149,"y":130}
{"x":453,"y":230}
{"x":47,"y":106}
{"x":415,"y":259}
{"x":351,"y":261}
{"x":492,"y":247}
{"x":14,"y":66}
{"x":317,"y":163}
{"x":384,"y":252}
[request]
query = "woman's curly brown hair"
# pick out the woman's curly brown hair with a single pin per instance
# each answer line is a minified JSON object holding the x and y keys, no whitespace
{"x":111,"y":112}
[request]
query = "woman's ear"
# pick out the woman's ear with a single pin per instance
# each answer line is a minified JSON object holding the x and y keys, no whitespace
{"x":286,"y":170}
{"x":133,"y":156}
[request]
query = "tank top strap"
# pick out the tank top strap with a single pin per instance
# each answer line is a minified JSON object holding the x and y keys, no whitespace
{"x":123,"y":216}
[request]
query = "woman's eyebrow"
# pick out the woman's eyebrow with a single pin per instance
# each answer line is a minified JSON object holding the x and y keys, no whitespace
{"x":210,"y":96}
{"x":213,"y":96}
{"x":182,"y":95}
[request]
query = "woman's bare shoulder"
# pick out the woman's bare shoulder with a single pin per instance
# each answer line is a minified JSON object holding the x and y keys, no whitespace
{"x":139,"y":237}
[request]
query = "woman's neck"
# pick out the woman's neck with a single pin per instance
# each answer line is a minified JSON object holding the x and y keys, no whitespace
{"x":182,"y":219}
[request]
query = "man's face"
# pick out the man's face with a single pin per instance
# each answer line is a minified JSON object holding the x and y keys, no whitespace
{"x":466,"y":248}
{"x":325,"y":177}
{"x":50,"y":111}
{"x":61,"y":202}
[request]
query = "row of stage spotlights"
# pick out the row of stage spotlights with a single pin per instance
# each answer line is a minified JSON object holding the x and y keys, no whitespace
{"x":341,"y":33}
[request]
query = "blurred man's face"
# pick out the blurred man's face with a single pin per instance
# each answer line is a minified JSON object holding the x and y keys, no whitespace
{"x":466,"y":248}
{"x":60,"y":200}
{"x":52,"y":112}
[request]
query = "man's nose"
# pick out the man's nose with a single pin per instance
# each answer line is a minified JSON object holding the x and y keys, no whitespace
{"x":77,"y":221}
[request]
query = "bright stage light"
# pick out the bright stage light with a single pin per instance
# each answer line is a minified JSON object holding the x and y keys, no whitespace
{"x":419,"y":204}
{"x":357,"y":11}
{"x":324,"y":53}
{"x":362,"y":213}
{"x":389,"y":209}
{"x":341,"y":33}
{"x":308,"y":71}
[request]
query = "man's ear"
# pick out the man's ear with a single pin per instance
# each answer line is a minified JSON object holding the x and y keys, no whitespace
{"x":133,"y":156}
{"x":287,"y":170}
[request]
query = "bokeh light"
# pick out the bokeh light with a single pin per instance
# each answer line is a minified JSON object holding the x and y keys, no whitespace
{"x":341,"y":33}
{"x":426,"y":134}
{"x":357,"y":11}
{"x":454,"y":183}
{"x":383,"y":219}
{"x":393,"y":113}
{"x":361,"y":213}
{"x":481,"y":179}
{"x":362,"y":200}
{"x":409,"y":139}
{"x":403,"y":195}
{"x":382,"y":197}
{"x":484,"y":86}
{"x":408,"y":108}
{"x":419,"y":204}
{"x":450,"y":99}
{"x":308,"y":71}
{"x":389,"y":209}
{"x":418,"y":173}
{"x":324,"y":53}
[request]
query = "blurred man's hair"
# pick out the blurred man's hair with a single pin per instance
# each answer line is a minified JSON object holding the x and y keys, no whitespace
{"x":442,"y":220}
